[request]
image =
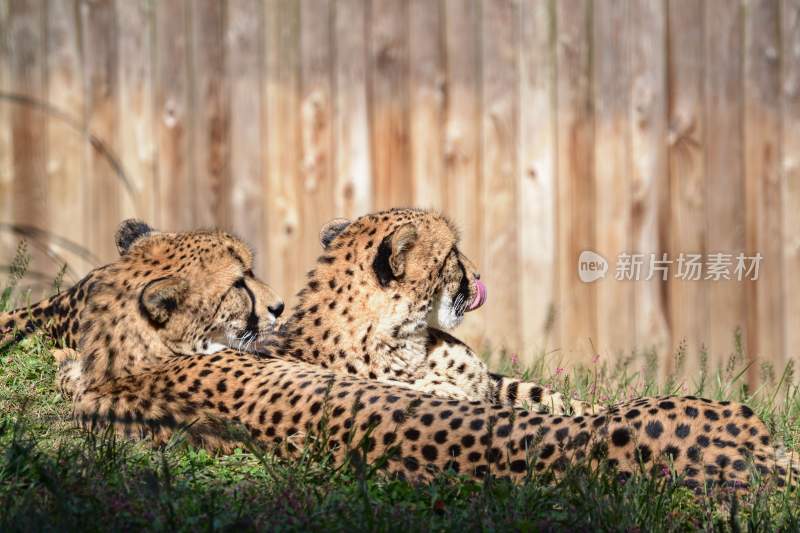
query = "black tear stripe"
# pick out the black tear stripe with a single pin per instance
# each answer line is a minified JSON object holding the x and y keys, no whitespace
{"x":252,"y":318}
{"x":463,"y":286}
{"x":463,"y":289}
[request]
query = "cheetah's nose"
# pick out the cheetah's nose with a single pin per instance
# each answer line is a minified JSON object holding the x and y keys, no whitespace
{"x":276,"y":310}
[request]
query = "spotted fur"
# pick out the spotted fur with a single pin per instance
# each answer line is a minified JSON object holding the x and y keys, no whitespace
{"x":373,"y":306}
{"x":285,"y":402}
{"x":168,"y":293}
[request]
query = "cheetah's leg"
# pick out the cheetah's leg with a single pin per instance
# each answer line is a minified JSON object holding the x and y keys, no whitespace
{"x":452,"y":362}
{"x":433,"y":384}
{"x":512,"y":391}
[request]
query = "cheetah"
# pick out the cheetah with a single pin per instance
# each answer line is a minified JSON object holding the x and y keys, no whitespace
{"x":283,"y":402}
{"x":284,"y":405}
{"x":375,"y":304}
{"x":149,"y":293}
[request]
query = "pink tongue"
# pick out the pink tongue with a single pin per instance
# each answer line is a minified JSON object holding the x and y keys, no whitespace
{"x":480,"y":296}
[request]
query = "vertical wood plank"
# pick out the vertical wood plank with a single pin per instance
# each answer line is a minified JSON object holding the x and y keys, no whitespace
{"x":649,"y":173}
{"x":762,"y":138}
{"x":26,"y":77}
{"x":611,"y":171}
{"x":576,"y":310}
{"x":100,"y":75}
{"x":388,"y":72}
{"x":537,"y":172}
{"x":136,"y":109}
{"x":6,"y":146}
{"x":27,"y":70}
{"x":725,"y":209}
{"x":687,"y":176}
{"x":174,"y":204}
{"x":462,"y":148}
{"x":316,"y":74}
{"x":66,"y":148}
{"x":499,"y":138}
{"x":211,"y":114}
{"x":243,"y":70}
{"x":790,"y":60}
{"x":282,"y":129}
{"x":427,"y":92}
{"x":353,"y":182}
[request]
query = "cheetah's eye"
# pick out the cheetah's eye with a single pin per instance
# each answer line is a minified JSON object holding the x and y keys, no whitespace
{"x":249,"y":273}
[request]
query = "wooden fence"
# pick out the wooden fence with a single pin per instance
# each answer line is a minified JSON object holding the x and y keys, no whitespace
{"x":543,"y":128}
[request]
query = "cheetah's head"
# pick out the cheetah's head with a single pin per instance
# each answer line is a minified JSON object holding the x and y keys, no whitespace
{"x":412,"y":257}
{"x":196,"y":289}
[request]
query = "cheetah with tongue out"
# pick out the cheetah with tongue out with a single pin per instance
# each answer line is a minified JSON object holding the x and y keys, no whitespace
{"x":375,"y":304}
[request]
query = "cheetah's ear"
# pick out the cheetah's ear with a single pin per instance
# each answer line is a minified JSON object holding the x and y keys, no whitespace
{"x":161,"y":297}
{"x":331,"y":230}
{"x":130,"y":231}
{"x":390,"y":261}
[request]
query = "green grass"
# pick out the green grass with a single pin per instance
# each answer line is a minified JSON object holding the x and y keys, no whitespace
{"x":55,"y":477}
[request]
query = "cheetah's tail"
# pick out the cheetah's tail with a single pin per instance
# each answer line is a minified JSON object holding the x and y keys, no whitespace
{"x":787,"y":466}
{"x":43,"y":316}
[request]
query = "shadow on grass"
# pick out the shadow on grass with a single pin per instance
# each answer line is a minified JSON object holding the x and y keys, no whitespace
{"x":75,"y":480}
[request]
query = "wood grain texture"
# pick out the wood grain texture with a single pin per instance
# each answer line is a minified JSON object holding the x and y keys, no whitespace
{"x":725,"y":213}
{"x":101,"y":60}
{"x":687,"y":180}
{"x":211,"y":114}
{"x":500,"y":134}
{"x":389,"y":103}
{"x":282,"y":153}
{"x":173,"y":127}
{"x":536,"y":211}
{"x":790,"y":100}
{"x":244,"y":72}
{"x":7,"y":241}
{"x":136,"y":107}
{"x":462,"y":137}
{"x":353,"y":181}
{"x":426,"y":102}
{"x":67,"y":148}
{"x":649,"y":172}
{"x":762,"y":140}
{"x":316,"y":122}
{"x":577,"y":302}
{"x":612,"y":150}
{"x":26,"y":76}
